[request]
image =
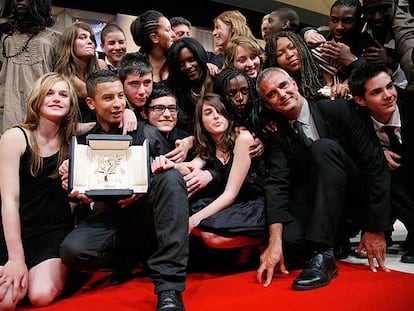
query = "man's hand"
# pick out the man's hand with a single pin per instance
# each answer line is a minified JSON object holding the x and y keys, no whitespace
{"x":391,"y":158}
{"x":375,"y":246}
{"x":129,"y":122}
{"x":128,"y":201}
{"x":270,"y":260}
{"x":196,"y":180}
{"x":161,"y":163}
{"x":182,"y":146}
{"x":338,"y":52}
{"x":313,"y":38}
{"x":256,"y":149}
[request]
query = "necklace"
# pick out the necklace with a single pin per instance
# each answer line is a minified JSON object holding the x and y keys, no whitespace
{"x":22,"y":50}
{"x":196,"y":96}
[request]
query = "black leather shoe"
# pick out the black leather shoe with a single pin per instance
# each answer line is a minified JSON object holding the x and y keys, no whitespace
{"x":319,"y":271}
{"x":170,"y":300}
{"x":408,"y":257}
{"x":342,"y":250}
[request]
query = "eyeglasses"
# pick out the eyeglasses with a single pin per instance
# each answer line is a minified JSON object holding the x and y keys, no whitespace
{"x":233,"y":93}
{"x":161,"y":108}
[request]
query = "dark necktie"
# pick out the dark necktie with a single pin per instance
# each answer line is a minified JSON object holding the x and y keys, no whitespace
{"x":298,"y":127}
{"x":395,"y":144}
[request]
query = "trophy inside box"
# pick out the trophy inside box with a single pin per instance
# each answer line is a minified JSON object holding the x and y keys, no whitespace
{"x":108,"y":166}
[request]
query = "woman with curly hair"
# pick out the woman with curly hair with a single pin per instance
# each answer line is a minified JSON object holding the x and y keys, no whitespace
{"x":288,"y":51}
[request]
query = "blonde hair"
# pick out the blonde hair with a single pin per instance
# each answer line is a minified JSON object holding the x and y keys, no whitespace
{"x":237,"y":23}
{"x":65,"y":63}
{"x":67,"y":127}
{"x":245,"y":42}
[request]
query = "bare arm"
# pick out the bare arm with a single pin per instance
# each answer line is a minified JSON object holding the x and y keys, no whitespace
{"x":12,"y":146}
{"x":238,"y":173}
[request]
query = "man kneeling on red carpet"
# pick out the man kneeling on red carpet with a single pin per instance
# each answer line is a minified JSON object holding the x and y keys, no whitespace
{"x":323,"y":171}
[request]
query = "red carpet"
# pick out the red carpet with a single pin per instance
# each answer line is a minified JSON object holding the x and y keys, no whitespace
{"x":356,"y":288}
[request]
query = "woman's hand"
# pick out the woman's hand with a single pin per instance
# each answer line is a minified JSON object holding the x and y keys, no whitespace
{"x":13,"y":273}
{"x":193,"y":222}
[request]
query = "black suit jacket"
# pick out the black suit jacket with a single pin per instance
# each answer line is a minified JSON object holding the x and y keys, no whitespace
{"x":288,"y":162}
{"x":405,"y":173}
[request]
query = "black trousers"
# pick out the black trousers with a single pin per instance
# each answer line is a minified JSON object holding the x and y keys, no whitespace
{"x":402,"y":206}
{"x":323,"y":202}
{"x":158,"y":225}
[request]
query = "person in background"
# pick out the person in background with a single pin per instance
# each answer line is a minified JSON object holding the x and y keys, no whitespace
{"x":181,"y":27}
{"x":189,"y":78}
{"x":118,"y":227}
{"x":389,"y":38}
{"x":77,"y":59}
{"x":113,"y":44}
{"x":227,"y":25}
{"x":152,"y":32}
{"x":28,"y":50}
{"x":280,"y":19}
{"x":35,"y":210}
{"x":338,"y":50}
{"x":389,"y":113}
{"x":323,"y":168}
{"x":243,"y":54}
{"x":288,"y":51}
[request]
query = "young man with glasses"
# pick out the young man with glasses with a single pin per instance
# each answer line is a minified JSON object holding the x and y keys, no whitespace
{"x":116,"y":229}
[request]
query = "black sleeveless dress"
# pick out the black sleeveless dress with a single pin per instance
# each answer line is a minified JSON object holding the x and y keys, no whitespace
{"x":246,"y":216}
{"x":45,"y":216}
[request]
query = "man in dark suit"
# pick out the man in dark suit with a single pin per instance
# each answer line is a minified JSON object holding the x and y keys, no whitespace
{"x":315,"y":176}
{"x":390,"y":115}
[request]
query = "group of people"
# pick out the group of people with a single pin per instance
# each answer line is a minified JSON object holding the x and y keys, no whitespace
{"x":291,"y":148}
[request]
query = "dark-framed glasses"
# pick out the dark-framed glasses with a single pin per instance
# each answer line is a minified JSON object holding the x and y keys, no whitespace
{"x":161,"y":108}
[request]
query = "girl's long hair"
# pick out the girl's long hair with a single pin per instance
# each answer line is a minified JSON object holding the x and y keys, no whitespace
{"x":65,"y":63}
{"x":310,"y":78}
{"x":67,"y":127}
{"x":205,"y":145}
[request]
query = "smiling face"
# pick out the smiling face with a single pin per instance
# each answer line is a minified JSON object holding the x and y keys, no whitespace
{"x":287,"y":55}
{"x":281,"y":94}
{"x":166,"y":120}
{"x":379,"y":13}
{"x":56,"y":104}
{"x":109,"y":104}
{"x":181,"y":31}
{"x":222,"y":34}
{"x":380,"y":97}
{"x":246,"y":60}
{"x":114,"y":47}
{"x":342,"y":22}
{"x":189,"y":66}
